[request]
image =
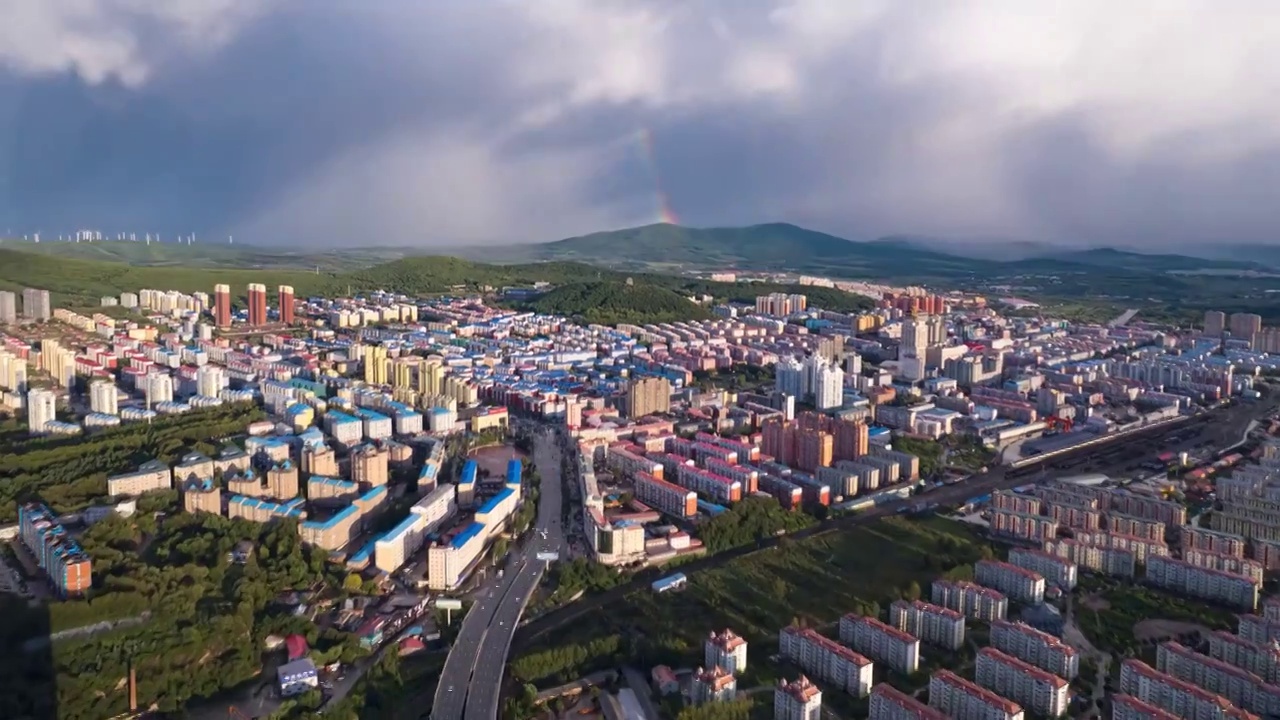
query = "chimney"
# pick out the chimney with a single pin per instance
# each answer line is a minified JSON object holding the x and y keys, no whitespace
{"x":133,"y":689}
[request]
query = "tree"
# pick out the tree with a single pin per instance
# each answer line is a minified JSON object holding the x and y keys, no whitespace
{"x":912,"y":592}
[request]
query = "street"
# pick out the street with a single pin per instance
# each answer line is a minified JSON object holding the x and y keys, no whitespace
{"x":471,"y":682}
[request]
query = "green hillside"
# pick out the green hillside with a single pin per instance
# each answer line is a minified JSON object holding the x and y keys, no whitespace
{"x":75,"y":281}
{"x":612,"y":302}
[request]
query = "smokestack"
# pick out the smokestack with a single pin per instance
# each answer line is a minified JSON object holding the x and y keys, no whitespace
{"x":133,"y":688}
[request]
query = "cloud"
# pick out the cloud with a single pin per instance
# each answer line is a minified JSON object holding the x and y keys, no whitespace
{"x":1144,"y":123}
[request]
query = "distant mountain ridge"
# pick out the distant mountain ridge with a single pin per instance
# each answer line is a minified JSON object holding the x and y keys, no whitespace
{"x":787,"y":247}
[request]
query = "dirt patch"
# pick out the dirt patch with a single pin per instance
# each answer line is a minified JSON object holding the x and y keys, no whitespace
{"x":1096,"y":603}
{"x":494,"y":459}
{"x":1159,"y":630}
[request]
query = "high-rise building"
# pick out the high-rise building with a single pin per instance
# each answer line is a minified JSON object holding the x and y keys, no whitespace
{"x":713,"y":685}
{"x":210,"y":380}
{"x":827,"y":659}
{"x":1036,"y":647}
{"x":797,"y":700}
{"x":828,"y":384}
{"x":1215,"y":322}
{"x":1173,"y":695}
{"x":42,"y":406}
{"x":222,"y":305}
{"x":103,"y":397}
{"x":35,"y":304}
{"x":726,"y":650}
{"x":915,"y":337}
{"x":159,"y":388}
{"x":286,"y":304}
{"x":257,"y":304}
{"x":648,"y":396}
{"x":69,"y":568}
{"x":1245,"y":325}
{"x":8,"y":307}
{"x":375,"y":364}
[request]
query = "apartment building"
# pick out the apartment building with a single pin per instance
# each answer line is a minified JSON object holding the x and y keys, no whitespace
{"x":889,"y":703}
{"x":340,"y":529}
{"x":970,"y":599}
{"x":797,"y":700}
{"x":192,"y":466}
{"x":726,"y":650}
{"x":667,"y":497}
{"x":370,"y":464}
{"x":1233,"y":564}
{"x":1260,"y":658}
{"x":1145,"y":528}
{"x":1241,"y":687}
{"x":449,"y":562}
{"x":69,"y":568}
{"x":1018,"y":583}
{"x":1258,"y":629}
{"x":1142,"y":548}
{"x":1196,"y":538}
{"x":394,"y":548}
{"x":960,"y":699}
{"x":713,"y":685}
{"x":1035,"y":647}
{"x":1055,"y":570}
{"x":321,"y":488}
{"x":884,"y":644}
{"x":1125,"y":502}
{"x":1179,"y":697}
{"x":1107,"y":561}
{"x":1016,"y":502}
{"x":826,"y":659}
{"x":1041,"y":692}
{"x":201,"y":495}
{"x":1067,"y":494}
{"x":1022,"y":526}
{"x":648,"y":396}
{"x":933,"y":624}
{"x":262,"y":510}
{"x":151,"y":475}
{"x":1074,"y":516}
{"x":1266,"y":552}
{"x":1183,"y":577}
{"x":319,"y":460}
{"x":1128,"y":707}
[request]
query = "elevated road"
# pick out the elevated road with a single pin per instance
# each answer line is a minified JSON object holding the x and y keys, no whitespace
{"x":471,"y":681}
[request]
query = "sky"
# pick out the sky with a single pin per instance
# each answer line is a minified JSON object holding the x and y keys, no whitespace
{"x":1144,"y":123}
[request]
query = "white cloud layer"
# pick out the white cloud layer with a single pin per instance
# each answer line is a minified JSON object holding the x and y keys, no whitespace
{"x":1141,"y":122}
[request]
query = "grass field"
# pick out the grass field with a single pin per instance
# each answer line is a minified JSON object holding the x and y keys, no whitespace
{"x":813,"y":581}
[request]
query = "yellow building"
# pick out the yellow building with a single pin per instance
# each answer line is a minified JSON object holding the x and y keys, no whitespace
{"x":201,"y":495}
{"x":489,"y":418}
{"x":319,"y":460}
{"x":369,"y":465}
{"x":430,"y":376}
{"x":375,"y":364}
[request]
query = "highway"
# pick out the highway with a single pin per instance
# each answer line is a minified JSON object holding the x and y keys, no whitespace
{"x":1220,"y":427}
{"x":471,"y":682}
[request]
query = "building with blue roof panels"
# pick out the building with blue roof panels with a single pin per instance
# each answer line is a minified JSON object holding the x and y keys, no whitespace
{"x":495,"y":511}
{"x":343,"y":428}
{"x":320,"y":487}
{"x":376,"y":425}
{"x":448,"y":564}
{"x":259,"y":510}
{"x":469,"y":471}
{"x":69,"y":568}
{"x":515,"y":470}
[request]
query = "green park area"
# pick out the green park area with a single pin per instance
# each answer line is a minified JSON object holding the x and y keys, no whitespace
{"x":812,"y":581}
{"x":1121,"y":617}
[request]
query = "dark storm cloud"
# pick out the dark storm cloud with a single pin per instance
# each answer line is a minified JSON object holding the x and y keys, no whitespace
{"x":502,"y":121}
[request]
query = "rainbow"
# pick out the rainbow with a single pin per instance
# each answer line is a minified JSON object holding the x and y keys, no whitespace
{"x":665,"y":213}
